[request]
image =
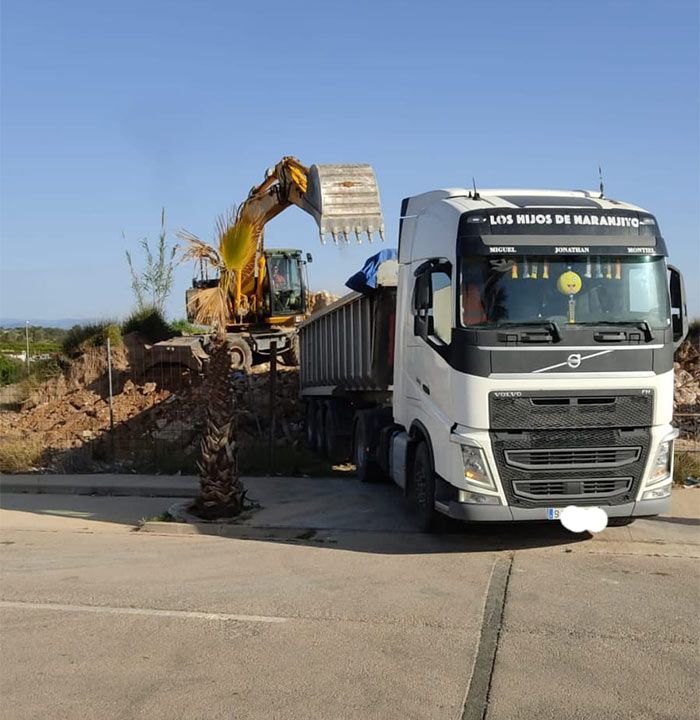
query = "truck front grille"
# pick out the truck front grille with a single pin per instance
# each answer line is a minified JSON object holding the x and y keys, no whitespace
{"x":550,"y":459}
{"x":592,"y":466}
{"x":571,"y":490}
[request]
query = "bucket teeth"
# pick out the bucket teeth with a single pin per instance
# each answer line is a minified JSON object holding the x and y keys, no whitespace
{"x":344,"y":199}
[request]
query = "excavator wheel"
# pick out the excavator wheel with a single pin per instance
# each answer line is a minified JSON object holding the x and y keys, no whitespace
{"x":241,"y":354}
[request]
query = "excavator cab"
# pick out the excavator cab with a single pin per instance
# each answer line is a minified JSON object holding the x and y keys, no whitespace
{"x":285,"y":288}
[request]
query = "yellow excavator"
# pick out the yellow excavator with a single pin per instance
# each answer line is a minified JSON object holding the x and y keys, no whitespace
{"x":269,"y":296}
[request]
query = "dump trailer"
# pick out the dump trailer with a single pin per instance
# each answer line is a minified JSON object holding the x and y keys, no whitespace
{"x":517,"y":360}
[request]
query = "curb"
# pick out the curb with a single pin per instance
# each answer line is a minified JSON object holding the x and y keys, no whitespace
{"x":231,"y":530}
{"x":117,"y":490}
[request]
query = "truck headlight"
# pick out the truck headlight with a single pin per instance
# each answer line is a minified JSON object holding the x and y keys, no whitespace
{"x":476,"y":470}
{"x":661,"y":469}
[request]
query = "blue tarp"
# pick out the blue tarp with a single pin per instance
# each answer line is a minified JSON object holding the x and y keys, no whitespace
{"x":366,"y":280}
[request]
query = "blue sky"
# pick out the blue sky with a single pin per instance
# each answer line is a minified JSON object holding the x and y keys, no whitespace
{"x":111,"y":111}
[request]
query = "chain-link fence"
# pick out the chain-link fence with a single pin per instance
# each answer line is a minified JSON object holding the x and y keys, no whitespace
{"x":128,"y":408}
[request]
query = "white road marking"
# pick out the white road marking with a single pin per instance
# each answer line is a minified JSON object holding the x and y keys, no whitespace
{"x":106,"y":610}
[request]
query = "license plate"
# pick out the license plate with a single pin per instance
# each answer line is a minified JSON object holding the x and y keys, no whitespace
{"x":553,"y":513}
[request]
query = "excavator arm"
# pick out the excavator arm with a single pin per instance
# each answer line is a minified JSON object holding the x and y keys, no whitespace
{"x":343,"y":199}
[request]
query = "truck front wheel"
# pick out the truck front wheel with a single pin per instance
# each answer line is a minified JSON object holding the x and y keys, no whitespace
{"x":423,"y":489}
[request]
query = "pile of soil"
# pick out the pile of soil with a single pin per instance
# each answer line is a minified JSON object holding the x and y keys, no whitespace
{"x":158,"y":418}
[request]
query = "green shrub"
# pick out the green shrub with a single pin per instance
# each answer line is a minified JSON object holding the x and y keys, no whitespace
{"x":685,"y":464}
{"x":81,"y":338}
{"x":150,"y":323}
{"x":694,"y":331}
{"x":185,"y":327}
{"x":11,"y":370}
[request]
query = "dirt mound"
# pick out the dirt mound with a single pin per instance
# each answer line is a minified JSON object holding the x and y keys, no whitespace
{"x":159,"y":416}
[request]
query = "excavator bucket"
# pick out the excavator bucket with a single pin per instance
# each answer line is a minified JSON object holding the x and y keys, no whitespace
{"x":344,"y":199}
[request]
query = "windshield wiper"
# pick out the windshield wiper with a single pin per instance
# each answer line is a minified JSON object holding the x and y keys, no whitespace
{"x":550,"y":325}
{"x":639,"y":324}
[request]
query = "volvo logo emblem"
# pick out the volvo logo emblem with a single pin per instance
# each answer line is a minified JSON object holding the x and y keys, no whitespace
{"x":574,"y":360}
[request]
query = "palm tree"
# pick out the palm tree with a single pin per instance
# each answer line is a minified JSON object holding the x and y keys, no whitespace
{"x":221,"y":492}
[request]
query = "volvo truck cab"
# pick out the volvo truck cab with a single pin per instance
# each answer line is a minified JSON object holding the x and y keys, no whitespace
{"x":534,"y":355}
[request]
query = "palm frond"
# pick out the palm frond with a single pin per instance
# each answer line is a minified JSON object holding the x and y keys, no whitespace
{"x":239,"y":237}
{"x":210,"y":306}
{"x":196,"y":249}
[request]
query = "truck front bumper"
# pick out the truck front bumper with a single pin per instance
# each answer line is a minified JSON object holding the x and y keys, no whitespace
{"x":503,"y":513}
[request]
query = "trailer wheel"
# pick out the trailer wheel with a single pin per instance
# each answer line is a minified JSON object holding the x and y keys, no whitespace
{"x":241,"y":354}
{"x":336,"y":448}
{"x":310,"y":422}
{"x":366,"y":467}
{"x":320,"y":429}
{"x":423,"y":489}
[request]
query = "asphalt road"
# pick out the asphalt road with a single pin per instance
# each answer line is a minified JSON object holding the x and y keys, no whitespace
{"x":100,"y":621}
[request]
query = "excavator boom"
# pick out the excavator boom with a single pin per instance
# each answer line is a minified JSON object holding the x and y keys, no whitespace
{"x":342,"y":198}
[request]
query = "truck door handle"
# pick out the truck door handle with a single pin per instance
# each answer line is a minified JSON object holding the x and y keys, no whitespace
{"x":610,"y":336}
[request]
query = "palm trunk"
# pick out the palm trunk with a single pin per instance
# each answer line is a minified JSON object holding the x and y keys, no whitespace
{"x":221,"y":492}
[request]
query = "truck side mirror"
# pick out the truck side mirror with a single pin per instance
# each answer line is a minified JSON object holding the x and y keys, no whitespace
{"x":423,"y":300}
{"x":309,"y":258}
{"x":679,"y":311}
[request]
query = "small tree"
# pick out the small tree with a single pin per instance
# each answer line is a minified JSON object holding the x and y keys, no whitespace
{"x":152,"y":285}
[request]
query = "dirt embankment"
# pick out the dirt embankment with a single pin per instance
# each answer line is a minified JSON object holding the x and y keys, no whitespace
{"x":158,"y":417}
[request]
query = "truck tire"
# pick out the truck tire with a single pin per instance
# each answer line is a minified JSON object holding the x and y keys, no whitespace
{"x":320,"y":448}
{"x":336,"y":444}
{"x":290,"y":357}
{"x":241,"y":354}
{"x":310,"y":422}
{"x":422,"y":489}
{"x":366,"y":467}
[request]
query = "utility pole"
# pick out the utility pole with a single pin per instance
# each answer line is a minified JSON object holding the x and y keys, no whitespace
{"x":26,"y":333}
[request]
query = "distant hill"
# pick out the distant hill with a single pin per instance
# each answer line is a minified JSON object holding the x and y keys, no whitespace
{"x":65,"y":323}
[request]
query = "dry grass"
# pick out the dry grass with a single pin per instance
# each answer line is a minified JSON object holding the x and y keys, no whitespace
{"x":685,"y":464}
{"x":20,"y":454}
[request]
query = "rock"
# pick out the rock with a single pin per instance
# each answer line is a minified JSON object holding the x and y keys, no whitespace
{"x":176,"y":432}
{"x":129,"y":387}
{"x":148,"y":388}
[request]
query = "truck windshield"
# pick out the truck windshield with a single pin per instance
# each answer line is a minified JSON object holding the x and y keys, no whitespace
{"x":498,"y":291}
{"x":285,"y":283}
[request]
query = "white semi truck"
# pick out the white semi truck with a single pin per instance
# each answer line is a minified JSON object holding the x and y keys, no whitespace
{"x":517,"y":358}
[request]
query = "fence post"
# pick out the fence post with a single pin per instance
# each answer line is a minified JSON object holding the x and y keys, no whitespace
{"x":26,"y":333}
{"x":273,"y":393}
{"x":111,"y":411}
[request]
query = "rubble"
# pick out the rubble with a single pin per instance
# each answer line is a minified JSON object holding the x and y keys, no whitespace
{"x":686,"y":402}
{"x":70,"y":414}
